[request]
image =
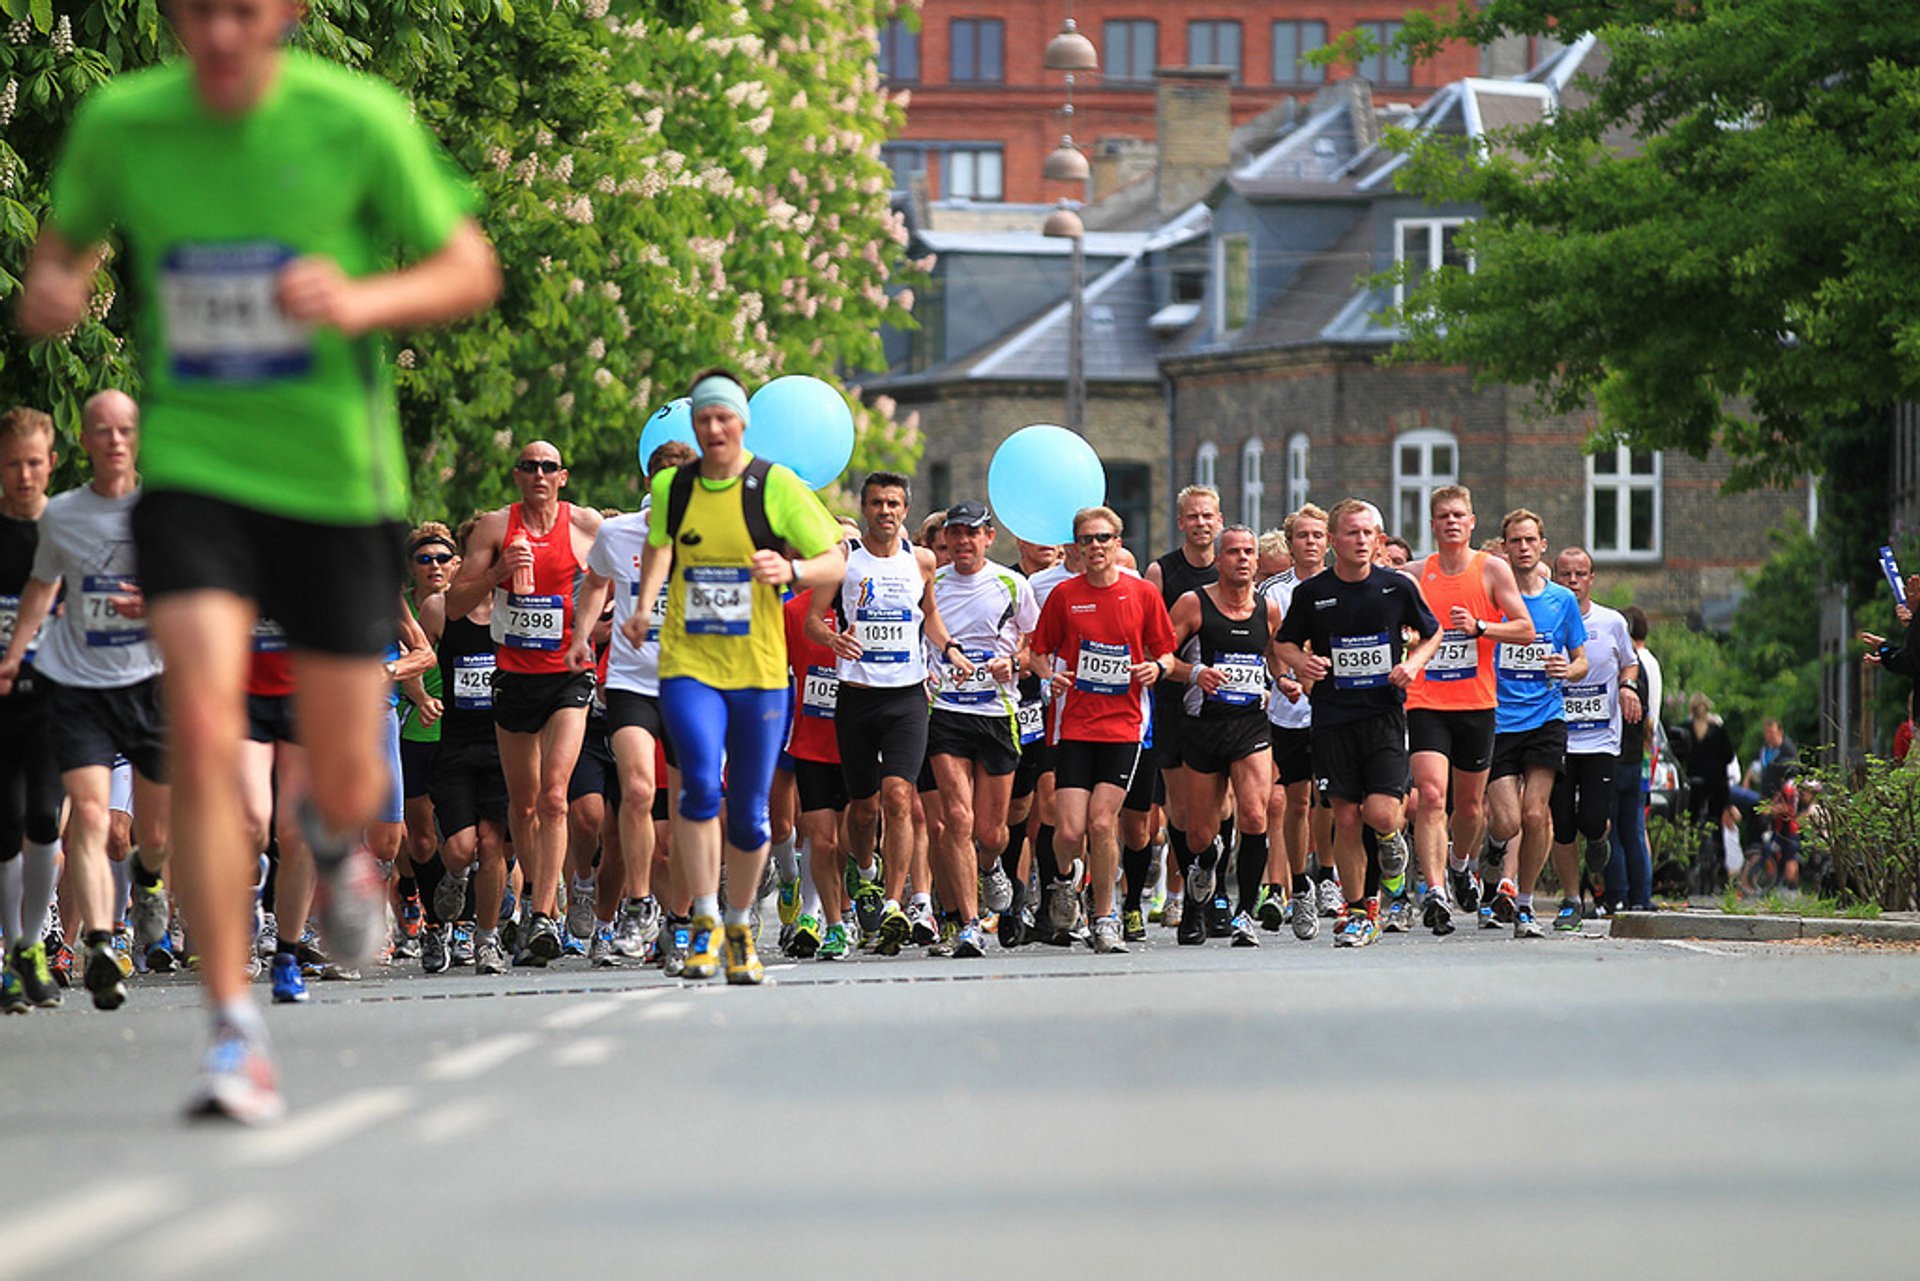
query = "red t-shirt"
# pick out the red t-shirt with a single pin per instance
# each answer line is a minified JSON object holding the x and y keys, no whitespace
{"x":270,"y":671}
{"x":815,"y":688}
{"x":1095,"y":634}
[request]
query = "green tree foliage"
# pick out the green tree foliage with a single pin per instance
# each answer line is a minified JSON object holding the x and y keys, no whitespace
{"x":668,"y":187}
{"x":1718,"y":245}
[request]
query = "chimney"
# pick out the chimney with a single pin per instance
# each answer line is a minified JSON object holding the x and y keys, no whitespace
{"x":1195,"y":128}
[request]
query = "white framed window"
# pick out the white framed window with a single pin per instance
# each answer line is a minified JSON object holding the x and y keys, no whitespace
{"x":973,"y":173}
{"x":1253,"y":482}
{"x":1206,"y":464}
{"x":1423,"y":246}
{"x":1423,"y":461}
{"x":1297,"y":456}
{"x":1623,"y":504}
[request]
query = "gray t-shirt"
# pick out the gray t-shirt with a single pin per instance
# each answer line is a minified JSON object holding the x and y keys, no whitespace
{"x":86,"y":542}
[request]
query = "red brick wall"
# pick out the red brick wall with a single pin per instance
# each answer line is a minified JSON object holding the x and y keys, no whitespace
{"x":1022,"y":114}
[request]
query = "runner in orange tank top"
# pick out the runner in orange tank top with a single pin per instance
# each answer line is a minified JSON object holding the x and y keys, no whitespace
{"x":1450,"y":709}
{"x":530,"y":556}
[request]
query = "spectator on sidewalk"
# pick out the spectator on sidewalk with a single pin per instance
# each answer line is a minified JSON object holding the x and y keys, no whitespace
{"x":1630,"y":870}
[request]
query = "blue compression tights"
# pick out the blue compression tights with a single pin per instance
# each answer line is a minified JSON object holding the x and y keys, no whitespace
{"x":750,"y":727}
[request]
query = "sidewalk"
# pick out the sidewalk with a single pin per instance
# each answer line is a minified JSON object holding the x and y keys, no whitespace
{"x":1712,"y":923}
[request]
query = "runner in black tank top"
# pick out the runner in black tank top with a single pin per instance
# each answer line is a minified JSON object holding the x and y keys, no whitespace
{"x":467,"y":785}
{"x":1186,"y":568}
{"x":1224,"y":730}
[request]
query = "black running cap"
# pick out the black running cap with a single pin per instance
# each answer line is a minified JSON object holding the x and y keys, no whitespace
{"x":969,"y":513}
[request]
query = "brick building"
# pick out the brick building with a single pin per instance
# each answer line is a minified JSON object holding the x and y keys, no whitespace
{"x":984,"y":112}
{"x":1277,"y":395}
{"x":1233,"y":337}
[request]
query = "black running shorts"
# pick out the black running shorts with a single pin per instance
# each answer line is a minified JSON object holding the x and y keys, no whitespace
{"x":1464,"y":738}
{"x":334,"y":588}
{"x":882,"y":734}
{"x":523,"y":702}
{"x":1081,"y":765}
{"x":1542,"y":747}
{"x":91,"y":726}
{"x":1358,"y":759}
{"x":987,"y":741}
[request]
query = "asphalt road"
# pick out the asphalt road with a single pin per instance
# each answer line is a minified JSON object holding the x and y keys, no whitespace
{"x":1471,"y":1107}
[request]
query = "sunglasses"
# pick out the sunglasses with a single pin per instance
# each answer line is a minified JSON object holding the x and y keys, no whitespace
{"x":433,"y":558}
{"x":545,"y":466}
{"x":1089,"y":540}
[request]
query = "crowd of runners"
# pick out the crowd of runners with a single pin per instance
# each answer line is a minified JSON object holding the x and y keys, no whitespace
{"x":252,"y":724}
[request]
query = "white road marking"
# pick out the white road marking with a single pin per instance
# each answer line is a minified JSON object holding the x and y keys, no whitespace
{"x":196,"y":1245}
{"x":1684,"y":945}
{"x":585,"y":1052}
{"x":40,"y":1238}
{"x":454,"y":1120}
{"x":322,"y":1127}
{"x":572,"y":1016}
{"x":664,"y":1013}
{"x":480,"y":1057}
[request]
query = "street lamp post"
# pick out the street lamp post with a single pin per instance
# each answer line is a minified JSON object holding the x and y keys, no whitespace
{"x":1070,"y":52}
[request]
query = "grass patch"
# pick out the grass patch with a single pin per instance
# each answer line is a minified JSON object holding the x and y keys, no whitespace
{"x":1788,"y":903}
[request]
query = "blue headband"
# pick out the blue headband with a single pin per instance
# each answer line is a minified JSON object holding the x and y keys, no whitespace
{"x":716,"y":389}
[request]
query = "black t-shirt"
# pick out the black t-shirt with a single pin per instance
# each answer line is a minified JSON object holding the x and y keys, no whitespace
{"x":1356,"y":627}
{"x":18,"y":541}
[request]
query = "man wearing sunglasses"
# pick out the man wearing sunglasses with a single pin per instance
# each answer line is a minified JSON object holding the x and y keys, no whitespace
{"x":1110,"y":636}
{"x":531,"y":555}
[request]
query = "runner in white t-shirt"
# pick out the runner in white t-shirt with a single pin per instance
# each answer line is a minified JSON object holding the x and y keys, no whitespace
{"x":973,"y":736}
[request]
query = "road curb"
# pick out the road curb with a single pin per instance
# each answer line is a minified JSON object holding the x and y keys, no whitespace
{"x":1723,"y":927}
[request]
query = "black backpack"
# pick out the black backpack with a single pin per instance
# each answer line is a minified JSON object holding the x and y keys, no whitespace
{"x":753,"y":503}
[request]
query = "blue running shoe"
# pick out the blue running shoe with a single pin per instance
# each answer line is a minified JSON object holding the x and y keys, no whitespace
{"x":289,"y":988}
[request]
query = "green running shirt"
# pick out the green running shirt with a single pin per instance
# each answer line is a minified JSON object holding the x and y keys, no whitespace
{"x":240,"y":404}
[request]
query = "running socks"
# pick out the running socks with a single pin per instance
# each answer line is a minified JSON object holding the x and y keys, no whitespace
{"x":10,"y":875}
{"x":145,"y":878}
{"x":426,"y":879}
{"x":1137,"y":864}
{"x":1048,"y":865}
{"x":786,"y":862}
{"x":1182,"y":856}
{"x":1370,"y":841}
{"x":1253,"y":868}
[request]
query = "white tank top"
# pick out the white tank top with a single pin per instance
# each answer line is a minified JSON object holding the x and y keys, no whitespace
{"x":880,"y":600}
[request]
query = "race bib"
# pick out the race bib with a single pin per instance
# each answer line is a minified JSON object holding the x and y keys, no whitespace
{"x":1245,"y":679}
{"x":1589,"y":706}
{"x":269,"y":637}
{"x":657,"y":619}
{"x":1103,"y":668}
{"x":224,"y":323}
{"x":473,"y":682}
{"x":9,"y":620}
{"x":978,"y":689}
{"x":1457,"y":659}
{"x":535,"y":622}
{"x":100,"y":621}
{"x":882,"y":633}
{"x":1031,"y":720}
{"x":1524,"y":662}
{"x":1361,"y":662}
{"x":819,"y":692}
{"x":719,"y":600}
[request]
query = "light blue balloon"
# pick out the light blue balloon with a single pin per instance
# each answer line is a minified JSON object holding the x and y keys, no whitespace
{"x":672,"y":421}
{"x":803,"y":423}
{"x":1040,"y":476}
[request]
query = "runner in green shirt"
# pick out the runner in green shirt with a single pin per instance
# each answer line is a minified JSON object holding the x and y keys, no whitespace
{"x":259,"y":193}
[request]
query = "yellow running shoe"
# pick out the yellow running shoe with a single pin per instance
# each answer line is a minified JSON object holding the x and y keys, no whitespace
{"x":703,"y":949}
{"x":743,"y":963}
